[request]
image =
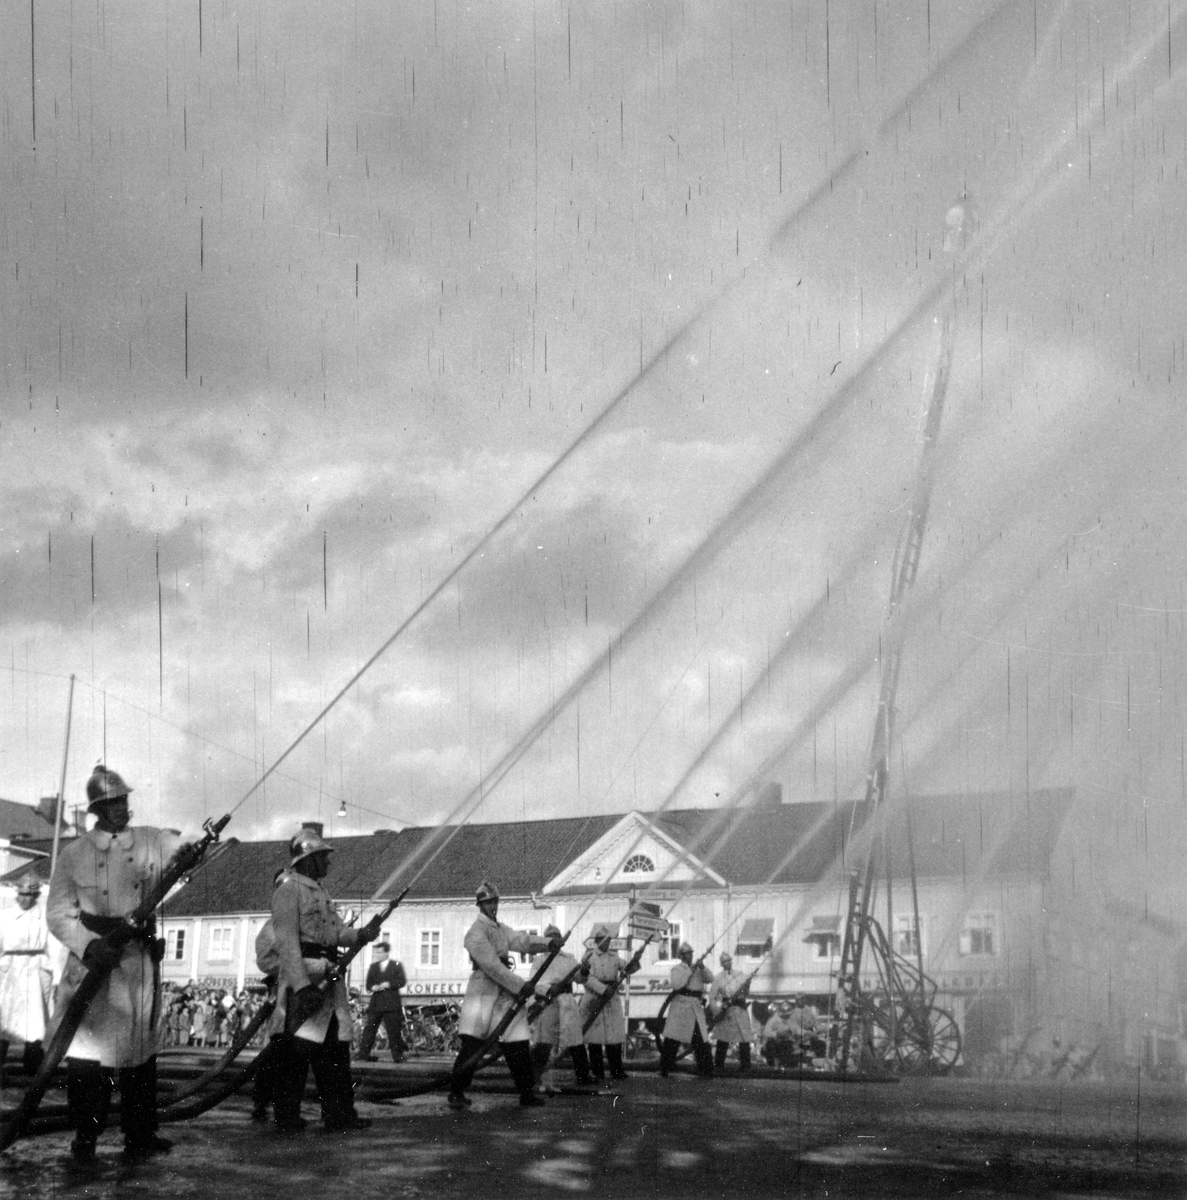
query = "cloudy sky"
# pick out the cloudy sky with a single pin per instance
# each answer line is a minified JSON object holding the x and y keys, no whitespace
{"x":575,"y":357}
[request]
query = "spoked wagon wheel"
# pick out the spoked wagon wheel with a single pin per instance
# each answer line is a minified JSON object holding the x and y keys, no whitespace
{"x":885,"y":1033}
{"x":914,"y":1040}
{"x":929,"y":1043}
{"x":945,"y":1041}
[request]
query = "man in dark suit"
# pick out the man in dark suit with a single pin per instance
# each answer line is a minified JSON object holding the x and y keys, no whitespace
{"x":385,"y":978}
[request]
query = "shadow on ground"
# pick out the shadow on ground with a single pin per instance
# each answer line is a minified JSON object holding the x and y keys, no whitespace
{"x":680,"y":1137}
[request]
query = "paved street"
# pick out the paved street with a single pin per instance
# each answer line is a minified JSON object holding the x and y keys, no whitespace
{"x":681,"y":1137}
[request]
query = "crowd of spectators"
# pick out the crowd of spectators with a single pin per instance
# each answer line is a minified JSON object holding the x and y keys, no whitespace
{"x":212,"y":1017}
{"x":209,"y":1017}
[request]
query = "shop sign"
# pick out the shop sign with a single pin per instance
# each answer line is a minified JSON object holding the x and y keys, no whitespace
{"x":435,"y":987}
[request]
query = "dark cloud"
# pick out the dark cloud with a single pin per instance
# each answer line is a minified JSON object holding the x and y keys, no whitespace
{"x":579,"y":563}
{"x":372,"y":529}
{"x":64,"y":572}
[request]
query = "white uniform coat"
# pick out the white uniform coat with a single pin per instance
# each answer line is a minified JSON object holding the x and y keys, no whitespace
{"x":560,"y":1023}
{"x":732,"y":1022}
{"x":105,"y":875}
{"x":302,"y":911}
{"x":609,"y":1028}
{"x":687,"y":1013}
{"x":493,"y":985}
{"x":24,"y":974}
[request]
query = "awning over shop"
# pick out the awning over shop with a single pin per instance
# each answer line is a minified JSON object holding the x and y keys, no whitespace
{"x":825,"y":924}
{"x":755,"y":939}
{"x":824,"y":931}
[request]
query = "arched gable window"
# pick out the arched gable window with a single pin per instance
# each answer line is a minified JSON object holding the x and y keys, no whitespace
{"x":638,"y":864}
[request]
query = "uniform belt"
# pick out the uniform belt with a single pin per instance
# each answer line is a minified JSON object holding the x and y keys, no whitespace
{"x":106,"y":926}
{"x":505,"y":959}
{"x":22,"y":952}
{"x":313,"y":950}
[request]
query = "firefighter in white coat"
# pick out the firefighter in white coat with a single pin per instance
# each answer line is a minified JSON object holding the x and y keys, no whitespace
{"x":492,"y":988}
{"x":308,"y":932}
{"x":25,"y":975}
{"x":686,"y":1014}
{"x":97,"y":883}
{"x":558,"y":1028}
{"x":608,"y":1030}
{"x":728,"y":1000}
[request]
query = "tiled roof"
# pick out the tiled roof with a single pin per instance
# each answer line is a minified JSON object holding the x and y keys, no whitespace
{"x":786,"y":843}
{"x":801,"y":843}
{"x":518,"y":857}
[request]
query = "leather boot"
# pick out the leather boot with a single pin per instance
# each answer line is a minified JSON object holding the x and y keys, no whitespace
{"x":88,"y":1098}
{"x":31,"y":1059}
{"x":668,"y":1054}
{"x":581,"y":1065}
{"x":597,"y":1067}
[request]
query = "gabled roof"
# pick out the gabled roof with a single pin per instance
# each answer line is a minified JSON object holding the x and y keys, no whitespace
{"x":997,"y":833}
{"x":598,"y":868}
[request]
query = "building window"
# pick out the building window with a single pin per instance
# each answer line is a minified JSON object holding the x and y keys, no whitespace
{"x":430,"y":948}
{"x":908,"y":937}
{"x":222,"y":942}
{"x":979,"y":935}
{"x":756,"y":938}
{"x":669,"y":946}
{"x":824,"y":944}
{"x":638,"y":864}
{"x":174,"y":944}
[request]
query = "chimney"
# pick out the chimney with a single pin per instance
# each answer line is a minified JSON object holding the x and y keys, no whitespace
{"x":316,"y":826}
{"x":768,"y":795}
{"x":47,"y":809}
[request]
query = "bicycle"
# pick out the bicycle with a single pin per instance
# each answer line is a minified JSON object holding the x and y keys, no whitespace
{"x":422,"y":1034}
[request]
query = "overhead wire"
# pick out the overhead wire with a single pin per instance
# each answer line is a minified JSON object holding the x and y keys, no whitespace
{"x":105,"y":693}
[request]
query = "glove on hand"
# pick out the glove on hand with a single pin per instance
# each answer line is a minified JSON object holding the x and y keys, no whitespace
{"x":102,"y":955}
{"x":178,"y":855}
